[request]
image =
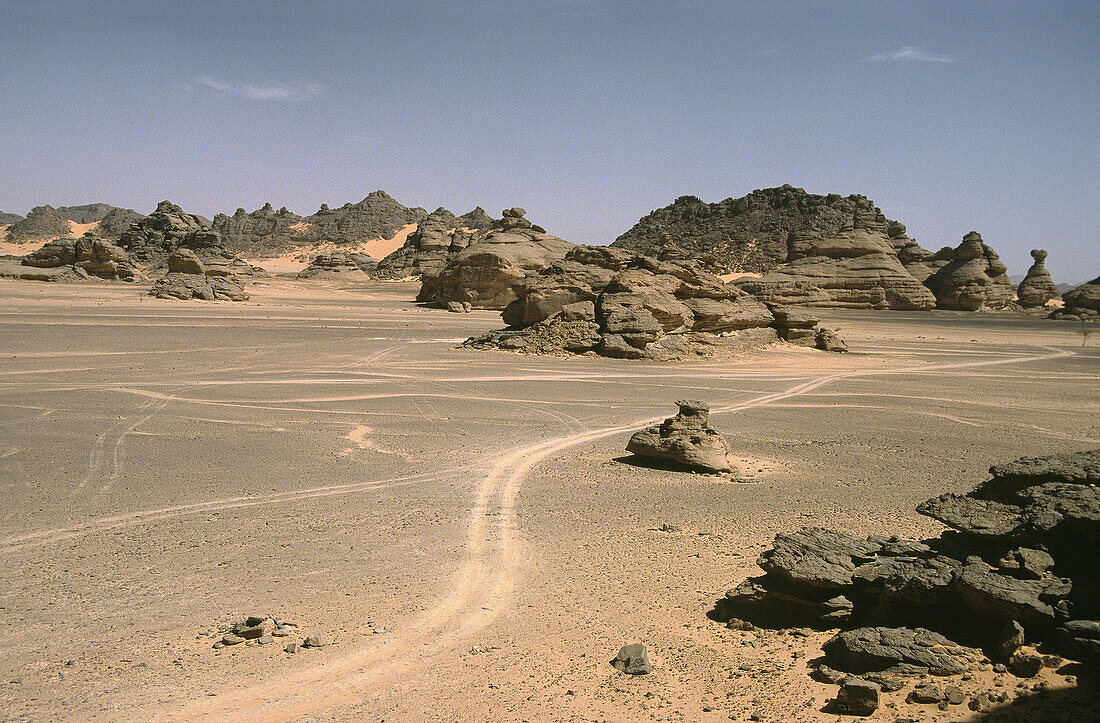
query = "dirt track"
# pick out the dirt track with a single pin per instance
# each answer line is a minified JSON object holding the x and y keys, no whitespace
{"x":329,"y":457}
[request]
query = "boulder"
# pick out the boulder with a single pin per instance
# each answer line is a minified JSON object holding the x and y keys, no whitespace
{"x":175,"y":285}
{"x":1081,"y":303}
{"x":974,"y":278}
{"x":490,"y":273}
{"x":59,"y":252}
{"x":184,"y":261}
{"x":333,"y":265}
{"x":901,"y":650}
{"x":1038,"y":287}
{"x":632,"y":659}
{"x":88,"y":255}
{"x":685,"y":439}
{"x":856,"y":697}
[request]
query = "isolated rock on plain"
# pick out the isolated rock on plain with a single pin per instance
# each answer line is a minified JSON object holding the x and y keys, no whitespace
{"x":1081,"y":303}
{"x":975,"y":278}
{"x":685,"y":439}
{"x":1038,"y":287}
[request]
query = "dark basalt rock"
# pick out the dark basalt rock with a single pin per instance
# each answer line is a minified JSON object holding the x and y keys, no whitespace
{"x":856,"y":697}
{"x":1022,"y":562}
{"x":901,"y":650}
{"x":633,"y":660}
{"x":42,"y":223}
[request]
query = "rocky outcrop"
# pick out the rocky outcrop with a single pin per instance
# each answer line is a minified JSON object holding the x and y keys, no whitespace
{"x":377,"y":216}
{"x":265,"y":231}
{"x":1082,"y":303}
{"x":1018,"y":566}
{"x":435,"y":241}
{"x":856,"y":268}
{"x":1038,"y":287}
{"x":973,"y":279}
{"x":613,"y":302}
{"x":115,"y":222}
{"x":41,"y":224}
{"x":332,"y":266}
{"x":89,"y":213}
{"x":686,"y":439}
{"x":490,"y":273}
{"x":189,"y":277}
{"x":166,"y":229}
{"x":752,"y":233}
{"x":9,"y":218}
{"x":88,"y":256}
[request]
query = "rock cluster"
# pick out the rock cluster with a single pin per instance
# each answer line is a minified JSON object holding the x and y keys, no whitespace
{"x":685,"y":439}
{"x":166,"y":229}
{"x":189,"y":277}
{"x":42,"y":223}
{"x":435,"y":241}
{"x":335,"y":265}
{"x":974,"y":278}
{"x":88,"y":256}
{"x":264,"y":231}
{"x":1082,"y":303}
{"x":490,"y":273}
{"x":1020,"y":566}
{"x":1038,"y":287}
{"x":115,"y":221}
{"x":616,"y":303}
{"x":375,"y":217}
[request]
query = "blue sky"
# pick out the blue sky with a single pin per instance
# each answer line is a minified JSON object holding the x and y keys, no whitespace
{"x":952,"y":116}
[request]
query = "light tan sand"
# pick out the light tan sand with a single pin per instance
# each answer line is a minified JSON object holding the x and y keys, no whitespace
{"x":458,"y":523}
{"x":739,"y":275}
{"x":79,"y":229}
{"x":294,"y":261}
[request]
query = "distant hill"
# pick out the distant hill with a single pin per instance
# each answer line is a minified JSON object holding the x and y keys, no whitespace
{"x":88,"y":213}
{"x":45,"y":223}
{"x":269,"y":232}
{"x":8,"y":218}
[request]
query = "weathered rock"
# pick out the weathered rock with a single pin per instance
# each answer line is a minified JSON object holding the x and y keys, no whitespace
{"x":1012,"y":637}
{"x":43,"y":223}
{"x":197,"y":286}
{"x":974,"y":279}
{"x":1080,"y":638}
{"x":1082,"y":303}
{"x":333,"y":265}
{"x":490,"y":273}
{"x":1026,"y":563}
{"x":864,"y":650}
{"x":1024,"y":665}
{"x":6,"y":219}
{"x":685,"y":439}
{"x":184,"y":261}
{"x":1038,"y":287}
{"x":827,"y":340}
{"x":437,"y":238}
{"x":317,"y":640}
{"x":857,"y":697}
{"x":90,"y":255}
{"x":633,"y":660}
{"x":1008,"y":479}
{"x":167,"y":229}
{"x":55,"y":253}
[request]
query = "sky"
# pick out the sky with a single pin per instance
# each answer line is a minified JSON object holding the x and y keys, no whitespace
{"x":952,"y":116}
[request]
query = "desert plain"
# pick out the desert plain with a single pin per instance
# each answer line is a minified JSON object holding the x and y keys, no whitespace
{"x":463,"y":526}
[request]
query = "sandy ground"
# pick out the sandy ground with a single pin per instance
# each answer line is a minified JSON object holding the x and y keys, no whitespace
{"x":292,"y":263}
{"x":327,"y":456}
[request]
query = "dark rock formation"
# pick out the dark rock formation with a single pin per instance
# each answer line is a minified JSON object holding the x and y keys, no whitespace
{"x":686,"y":439}
{"x":89,"y":213}
{"x":332,"y":266}
{"x":489,"y":274}
{"x":1082,"y":303}
{"x":265,"y":231}
{"x":753,"y":233}
{"x":41,"y":224}
{"x":189,"y":277}
{"x":1022,"y":557}
{"x":435,"y":241}
{"x":1038,"y":287}
{"x":865,"y":650}
{"x":88,"y":256}
{"x":9,"y":218}
{"x":375,"y":217}
{"x":973,"y":279}
{"x":856,"y":697}
{"x":115,"y":222}
{"x":166,"y":229}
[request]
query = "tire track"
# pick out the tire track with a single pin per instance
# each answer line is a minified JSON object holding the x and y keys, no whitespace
{"x":484,"y":584}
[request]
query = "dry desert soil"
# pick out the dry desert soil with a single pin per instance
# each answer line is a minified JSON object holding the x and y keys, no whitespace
{"x":458,"y":523}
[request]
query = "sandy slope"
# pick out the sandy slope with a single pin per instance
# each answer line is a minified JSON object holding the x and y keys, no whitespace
{"x":293,"y":262}
{"x":327,"y":456}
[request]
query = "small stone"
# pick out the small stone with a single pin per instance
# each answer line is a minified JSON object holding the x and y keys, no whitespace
{"x":1052,"y":661}
{"x":825,"y":674}
{"x":1000,"y":668}
{"x":633,"y":660}
{"x":1025,"y":665}
{"x":231,"y":639}
{"x":857,"y":697}
{"x":739,"y":624}
{"x":280,"y":632}
{"x":251,"y":633}
{"x":317,"y":640}
{"x":979,"y":702}
{"x":926,"y":693}
{"x":757,"y":716}
{"x":953,"y":695}
{"x":254,"y":620}
{"x":219,"y":645}
{"x":291,"y":648}
{"x":265,"y":640}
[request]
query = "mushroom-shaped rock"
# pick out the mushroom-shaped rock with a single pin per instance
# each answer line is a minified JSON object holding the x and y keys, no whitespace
{"x":685,"y":439}
{"x":1038,"y":287}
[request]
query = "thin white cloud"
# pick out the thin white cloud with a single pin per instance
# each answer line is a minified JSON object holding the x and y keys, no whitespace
{"x":909,"y":54}
{"x":278,"y":92}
